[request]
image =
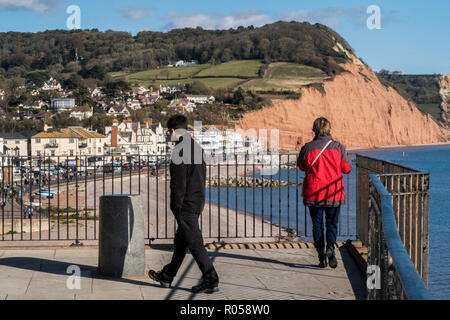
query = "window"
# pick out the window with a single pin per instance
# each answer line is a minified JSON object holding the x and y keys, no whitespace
{"x":99,"y":150}
{"x":71,"y":140}
{"x":38,"y":153}
{"x":52,"y":153}
{"x":71,"y":153}
{"x":38,"y":140}
{"x":17,"y":141}
{"x":52,"y":141}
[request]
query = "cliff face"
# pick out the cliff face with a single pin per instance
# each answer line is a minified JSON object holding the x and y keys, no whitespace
{"x":362,"y":111}
{"x":444,"y":91}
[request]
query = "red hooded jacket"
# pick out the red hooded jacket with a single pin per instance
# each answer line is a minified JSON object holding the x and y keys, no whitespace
{"x":323,"y":185}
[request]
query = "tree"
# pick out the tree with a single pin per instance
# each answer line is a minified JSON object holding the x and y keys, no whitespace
{"x":238,"y":96}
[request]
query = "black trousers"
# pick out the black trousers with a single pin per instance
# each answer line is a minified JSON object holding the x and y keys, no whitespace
{"x":189,"y":236}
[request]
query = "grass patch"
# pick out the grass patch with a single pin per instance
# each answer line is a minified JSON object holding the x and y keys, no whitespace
{"x":216,"y":83}
{"x":433,"y":109}
{"x":238,"y":68}
{"x":116,"y":74}
{"x":13,"y":232}
{"x":166,"y":73}
{"x":286,"y":76}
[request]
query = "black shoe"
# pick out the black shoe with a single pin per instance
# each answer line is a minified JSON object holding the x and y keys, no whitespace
{"x":206,"y":287}
{"x":331,"y":258}
{"x":160,"y":277}
{"x":323,"y":262}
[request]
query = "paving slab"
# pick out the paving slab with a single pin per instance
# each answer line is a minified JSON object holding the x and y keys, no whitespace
{"x":245,"y":274}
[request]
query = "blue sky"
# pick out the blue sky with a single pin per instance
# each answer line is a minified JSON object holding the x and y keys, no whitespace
{"x":414,"y":34}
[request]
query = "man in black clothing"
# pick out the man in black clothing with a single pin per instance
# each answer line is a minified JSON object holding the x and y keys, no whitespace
{"x":187,"y":200}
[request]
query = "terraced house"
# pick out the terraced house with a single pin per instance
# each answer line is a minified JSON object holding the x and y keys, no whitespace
{"x":68,"y":142}
{"x":13,"y":145}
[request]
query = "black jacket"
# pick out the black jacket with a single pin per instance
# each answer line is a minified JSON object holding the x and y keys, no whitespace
{"x":187,"y":177}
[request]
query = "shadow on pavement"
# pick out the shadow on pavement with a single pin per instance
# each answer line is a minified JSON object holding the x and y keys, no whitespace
{"x":353,"y":274}
{"x":60,"y":268}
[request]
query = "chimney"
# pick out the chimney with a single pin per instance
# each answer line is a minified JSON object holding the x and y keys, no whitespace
{"x":47,"y":128}
{"x":114,"y":132}
{"x":148,"y":122}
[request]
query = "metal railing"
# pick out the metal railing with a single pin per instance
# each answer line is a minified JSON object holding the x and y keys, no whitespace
{"x":398,"y":277}
{"x":243,"y":202}
{"x":409,"y":190}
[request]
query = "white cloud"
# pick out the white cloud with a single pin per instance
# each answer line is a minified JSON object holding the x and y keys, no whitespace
{"x":215,"y":20}
{"x":37,"y":6}
{"x":331,"y":17}
{"x":136,"y":13}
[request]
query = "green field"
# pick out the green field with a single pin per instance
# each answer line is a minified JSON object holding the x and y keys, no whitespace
{"x":286,"y":76}
{"x":202,"y":72}
{"x":241,"y":68}
{"x":166,"y":73}
{"x":116,"y":74}
{"x":214,"y":83}
{"x":279,"y":76}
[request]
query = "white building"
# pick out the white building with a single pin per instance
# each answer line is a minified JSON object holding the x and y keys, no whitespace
{"x":131,"y":138}
{"x":51,"y":84}
{"x":81,"y":112}
{"x":200,"y":99}
{"x":68,"y":142}
{"x":182,"y":63}
{"x":133,"y":104}
{"x":61,"y":105}
{"x":217,"y":142}
{"x":13,"y":145}
{"x":182,"y":105}
{"x":2,"y":94}
{"x":116,"y":110}
{"x":37,"y":105}
{"x":172,"y":88}
{"x":97,"y":93}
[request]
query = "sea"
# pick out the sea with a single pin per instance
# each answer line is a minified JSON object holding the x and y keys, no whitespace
{"x":283,"y":206}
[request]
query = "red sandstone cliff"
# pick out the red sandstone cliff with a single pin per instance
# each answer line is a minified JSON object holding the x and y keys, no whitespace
{"x":362,"y":111}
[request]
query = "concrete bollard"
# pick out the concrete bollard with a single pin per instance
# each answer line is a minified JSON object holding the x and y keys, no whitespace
{"x":121,"y":236}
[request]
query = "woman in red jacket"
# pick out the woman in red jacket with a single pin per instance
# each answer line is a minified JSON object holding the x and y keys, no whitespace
{"x":324,"y":160}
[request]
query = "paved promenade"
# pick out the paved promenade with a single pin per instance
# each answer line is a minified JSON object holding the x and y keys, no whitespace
{"x":272,"y":274}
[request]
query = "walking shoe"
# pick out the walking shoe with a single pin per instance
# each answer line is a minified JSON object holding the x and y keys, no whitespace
{"x":331,"y":258}
{"x":160,"y":277}
{"x":323,"y":262}
{"x":206,"y":287}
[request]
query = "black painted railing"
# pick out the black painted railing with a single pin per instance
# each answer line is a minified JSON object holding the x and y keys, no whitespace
{"x":393,"y":274}
{"x":247,"y":199}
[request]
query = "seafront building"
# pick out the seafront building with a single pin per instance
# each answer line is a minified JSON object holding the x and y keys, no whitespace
{"x":68,"y":142}
{"x":128,"y":138}
{"x":12,"y":146}
{"x":226,"y":142}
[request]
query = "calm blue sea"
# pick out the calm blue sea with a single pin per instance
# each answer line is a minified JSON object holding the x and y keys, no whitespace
{"x":432,"y":159}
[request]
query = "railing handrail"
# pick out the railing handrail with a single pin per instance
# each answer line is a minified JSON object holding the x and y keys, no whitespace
{"x":411,"y":281}
{"x":411,"y":170}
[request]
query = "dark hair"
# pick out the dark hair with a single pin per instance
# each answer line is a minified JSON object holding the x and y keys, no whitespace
{"x":322,"y":127}
{"x":177,"y":121}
